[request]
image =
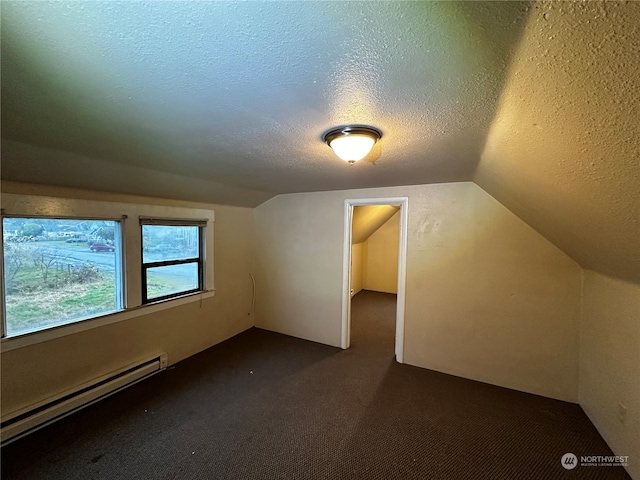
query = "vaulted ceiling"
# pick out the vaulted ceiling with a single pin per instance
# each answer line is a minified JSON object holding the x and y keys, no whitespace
{"x":226,"y":102}
{"x":563,"y":151}
{"x":238,"y":94}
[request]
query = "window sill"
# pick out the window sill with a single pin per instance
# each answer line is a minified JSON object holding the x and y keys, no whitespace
{"x":33,"y":338}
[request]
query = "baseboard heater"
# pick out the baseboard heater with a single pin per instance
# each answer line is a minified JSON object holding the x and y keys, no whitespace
{"x":22,"y":422}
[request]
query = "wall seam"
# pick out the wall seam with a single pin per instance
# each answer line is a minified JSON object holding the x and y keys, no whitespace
{"x":580,"y":337}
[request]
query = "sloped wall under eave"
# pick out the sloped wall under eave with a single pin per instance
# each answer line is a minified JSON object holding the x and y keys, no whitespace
{"x":64,"y":170}
{"x":563,"y":152}
{"x":487,"y":297}
{"x":367,"y":219}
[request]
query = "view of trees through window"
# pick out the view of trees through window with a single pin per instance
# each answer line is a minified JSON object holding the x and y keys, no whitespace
{"x":58,"y":271}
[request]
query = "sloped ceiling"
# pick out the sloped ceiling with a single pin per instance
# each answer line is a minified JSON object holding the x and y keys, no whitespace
{"x":563,"y":152}
{"x":226,"y":102}
{"x":367,"y":219}
{"x":238,"y":94}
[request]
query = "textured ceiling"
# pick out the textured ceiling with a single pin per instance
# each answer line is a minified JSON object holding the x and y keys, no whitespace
{"x":563,"y":152}
{"x":238,"y":94}
{"x":226,"y":102}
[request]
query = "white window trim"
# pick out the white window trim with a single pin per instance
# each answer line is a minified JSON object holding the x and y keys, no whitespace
{"x":32,"y":205}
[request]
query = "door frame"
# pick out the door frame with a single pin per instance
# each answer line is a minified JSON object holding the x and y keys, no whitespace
{"x":402,"y":268}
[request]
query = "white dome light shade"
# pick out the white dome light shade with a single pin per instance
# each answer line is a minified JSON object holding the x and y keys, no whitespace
{"x":353,"y":147}
{"x":352,"y":143}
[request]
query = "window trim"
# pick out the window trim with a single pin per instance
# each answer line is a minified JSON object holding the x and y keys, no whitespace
{"x":52,"y":206}
{"x":173,"y":222}
{"x":3,"y":313}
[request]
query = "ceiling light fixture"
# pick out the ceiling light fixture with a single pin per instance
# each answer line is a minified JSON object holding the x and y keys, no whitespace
{"x":352,"y":143}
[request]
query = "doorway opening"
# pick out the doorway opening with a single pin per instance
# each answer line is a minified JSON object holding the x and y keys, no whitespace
{"x":396,"y":205}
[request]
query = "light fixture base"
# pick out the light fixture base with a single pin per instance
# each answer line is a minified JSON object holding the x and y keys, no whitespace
{"x":351,"y":130}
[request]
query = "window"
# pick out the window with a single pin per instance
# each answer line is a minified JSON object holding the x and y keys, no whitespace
{"x":81,"y":264}
{"x":59,"y":271}
{"x":172,"y":258}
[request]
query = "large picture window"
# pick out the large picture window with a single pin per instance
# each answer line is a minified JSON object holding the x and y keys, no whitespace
{"x":59,"y":271}
{"x":172,"y":258}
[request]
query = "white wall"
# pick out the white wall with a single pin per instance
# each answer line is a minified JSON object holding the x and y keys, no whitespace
{"x":36,"y":372}
{"x":487,"y":297}
{"x":610,"y":362}
{"x":357,"y":261}
{"x":381,"y":260}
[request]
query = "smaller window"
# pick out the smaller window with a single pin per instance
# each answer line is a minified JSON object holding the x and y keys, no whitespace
{"x":172,"y":258}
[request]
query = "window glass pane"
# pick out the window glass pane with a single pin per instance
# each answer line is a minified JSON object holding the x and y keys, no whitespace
{"x":171,"y":279}
{"x":59,"y":271}
{"x":160,"y":242}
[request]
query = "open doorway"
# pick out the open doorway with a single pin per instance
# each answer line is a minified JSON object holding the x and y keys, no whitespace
{"x":388,"y":207}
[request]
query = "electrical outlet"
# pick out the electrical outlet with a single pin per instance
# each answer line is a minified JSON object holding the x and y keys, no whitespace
{"x":622,"y":413}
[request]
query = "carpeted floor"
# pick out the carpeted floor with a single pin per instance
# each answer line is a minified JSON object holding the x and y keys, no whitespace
{"x":266,"y":406}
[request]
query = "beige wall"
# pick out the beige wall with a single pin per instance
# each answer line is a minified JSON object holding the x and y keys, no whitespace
{"x":610,"y":362}
{"x":298,"y":265}
{"x":381,"y":261}
{"x":357,"y":261}
{"x":34,"y":373}
{"x":487,"y":297}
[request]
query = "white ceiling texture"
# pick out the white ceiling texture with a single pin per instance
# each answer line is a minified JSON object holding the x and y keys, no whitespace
{"x":226,"y":102}
{"x":240,"y":94}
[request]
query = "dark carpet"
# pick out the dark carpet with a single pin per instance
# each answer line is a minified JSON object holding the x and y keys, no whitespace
{"x":266,"y":406}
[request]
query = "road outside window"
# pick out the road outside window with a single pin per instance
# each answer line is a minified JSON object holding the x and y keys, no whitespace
{"x":59,"y":271}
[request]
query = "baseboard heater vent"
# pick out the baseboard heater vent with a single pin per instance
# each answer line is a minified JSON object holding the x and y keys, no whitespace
{"x":22,"y":422}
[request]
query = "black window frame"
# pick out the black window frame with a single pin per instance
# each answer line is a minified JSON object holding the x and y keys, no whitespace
{"x":199,"y":260}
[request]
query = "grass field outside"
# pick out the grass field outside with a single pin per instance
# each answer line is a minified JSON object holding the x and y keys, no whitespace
{"x":32,"y":303}
{"x":51,"y":283}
